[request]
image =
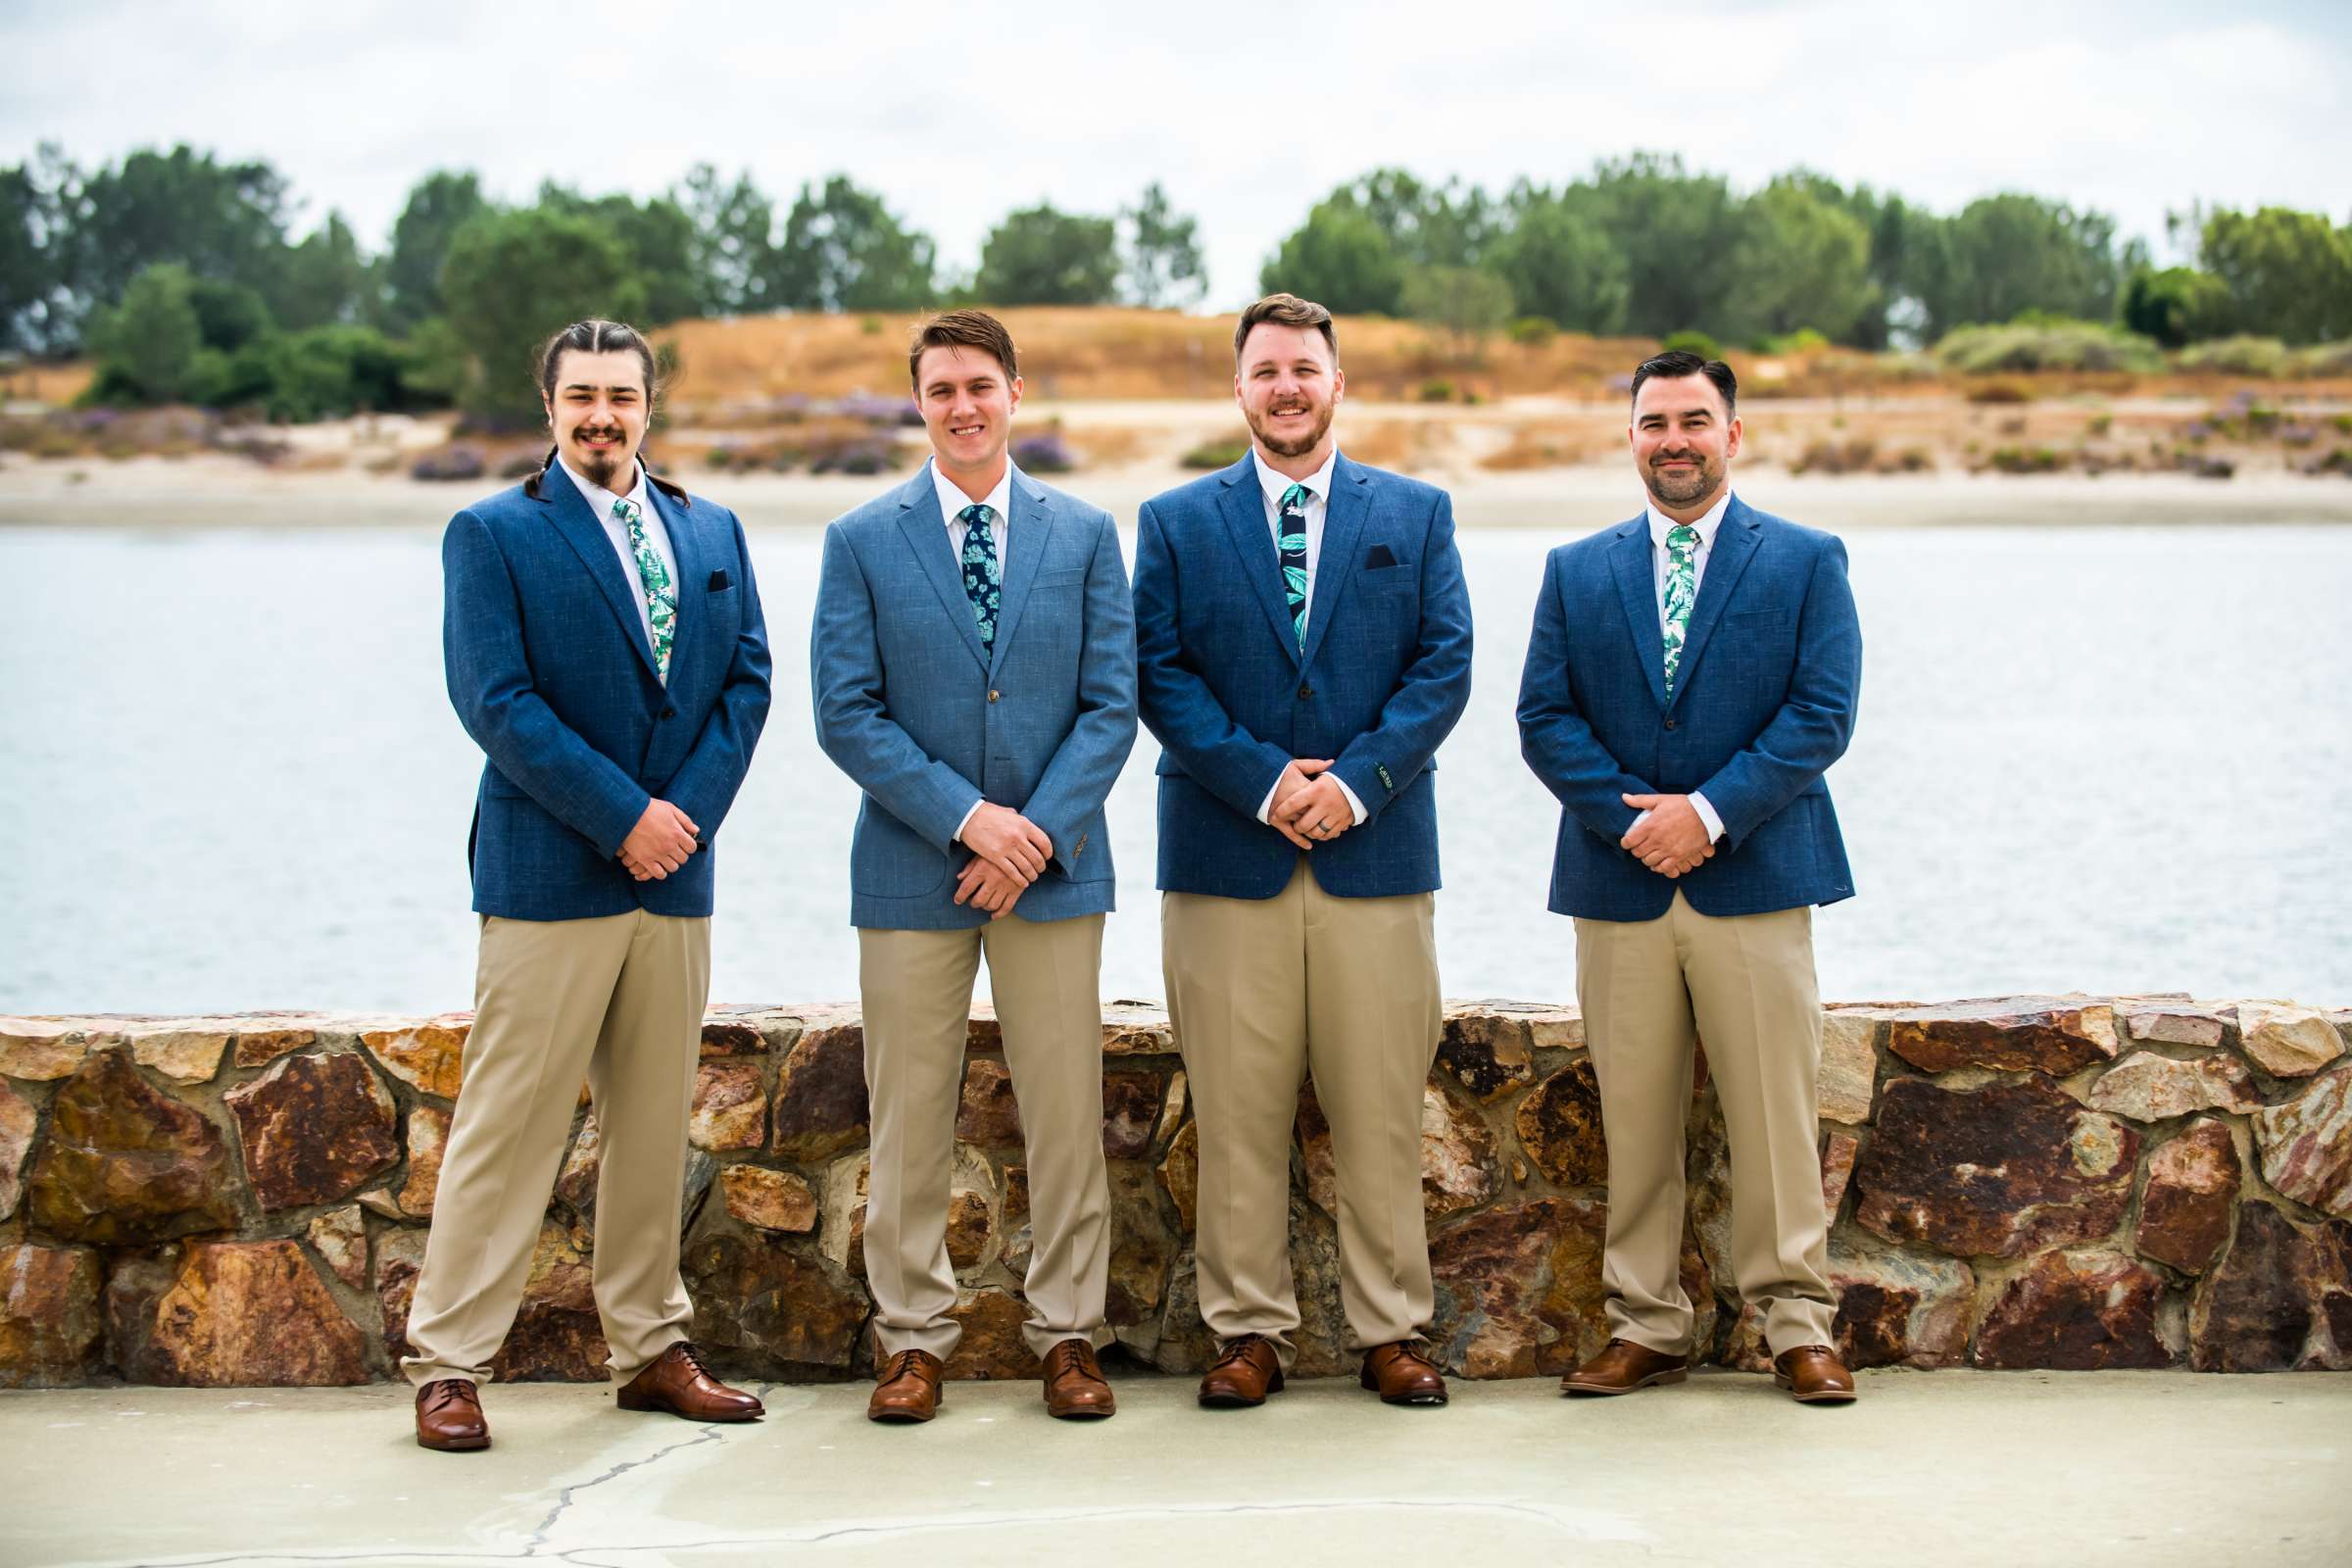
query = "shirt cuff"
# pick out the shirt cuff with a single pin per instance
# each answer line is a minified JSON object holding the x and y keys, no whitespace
{"x":967,"y":819}
{"x":1266,"y":807}
{"x":1706,"y":817}
{"x":1353,"y":804}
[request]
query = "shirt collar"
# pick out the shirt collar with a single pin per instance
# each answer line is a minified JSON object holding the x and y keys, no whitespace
{"x":1659,"y":523}
{"x":1318,"y":483}
{"x":600,"y":499}
{"x":953,"y":500}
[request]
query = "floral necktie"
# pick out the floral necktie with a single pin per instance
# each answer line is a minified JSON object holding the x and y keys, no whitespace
{"x":983,"y":580}
{"x":1682,"y":588}
{"x":660,"y":594}
{"x":1292,"y":541}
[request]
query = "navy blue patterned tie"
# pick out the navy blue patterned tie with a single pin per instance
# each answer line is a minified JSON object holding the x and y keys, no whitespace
{"x":983,"y":580}
{"x":1292,"y":541}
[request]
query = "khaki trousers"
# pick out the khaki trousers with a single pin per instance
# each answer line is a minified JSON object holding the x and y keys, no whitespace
{"x":1744,"y":984}
{"x":1261,"y":991}
{"x":620,"y":1001}
{"x":917,"y":989}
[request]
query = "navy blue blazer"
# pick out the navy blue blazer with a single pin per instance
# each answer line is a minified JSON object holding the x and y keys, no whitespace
{"x":928,"y":724}
{"x":1383,"y":677}
{"x":551,"y":673}
{"x":1763,"y":704}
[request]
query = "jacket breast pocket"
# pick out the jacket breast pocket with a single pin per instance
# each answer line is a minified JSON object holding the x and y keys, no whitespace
{"x":1059,"y":582}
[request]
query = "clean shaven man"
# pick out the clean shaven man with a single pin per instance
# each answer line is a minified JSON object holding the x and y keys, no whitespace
{"x":605,"y":649}
{"x":1303,"y":646}
{"x":974,"y":666}
{"x":1693,"y":674}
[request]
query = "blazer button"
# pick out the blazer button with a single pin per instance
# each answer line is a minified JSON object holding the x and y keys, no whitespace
{"x":1670,"y":723}
{"x":1306,"y":692}
{"x":669,"y":713}
{"x":991,"y":694}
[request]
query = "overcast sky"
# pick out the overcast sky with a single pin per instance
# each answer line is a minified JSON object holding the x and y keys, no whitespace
{"x":1247,"y":113}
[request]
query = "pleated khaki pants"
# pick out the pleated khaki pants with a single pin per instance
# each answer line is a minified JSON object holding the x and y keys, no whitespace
{"x":618,"y":1001}
{"x":1744,"y":984}
{"x":917,"y":990}
{"x":1262,"y":991}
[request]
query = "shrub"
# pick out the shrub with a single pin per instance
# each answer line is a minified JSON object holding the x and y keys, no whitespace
{"x":1216,"y":454}
{"x":1999,"y":392}
{"x":1698,"y":343}
{"x":449,"y":462}
{"x":2027,"y":460}
{"x":1043,"y":453}
{"x":2046,"y":344}
{"x":2325,"y":359}
{"x":1533,"y":332}
{"x":1437,"y":390}
{"x":861,"y":457}
{"x":2242,"y":355}
{"x":1804,"y":340}
{"x":2100,"y":425}
{"x":522,"y":466}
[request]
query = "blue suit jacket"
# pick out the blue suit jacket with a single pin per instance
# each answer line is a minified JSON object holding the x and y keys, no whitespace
{"x":928,"y":724}
{"x":551,"y":673}
{"x":1385,"y":675}
{"x":1763,"y":704}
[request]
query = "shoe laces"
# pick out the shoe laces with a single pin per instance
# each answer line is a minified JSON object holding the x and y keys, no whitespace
{"x":692,"y":1357}
{"x":1069,"y":1355}
{"x":1238,"y":1350}
{"x":903,"y":1365}
{"x":444,"y":1391}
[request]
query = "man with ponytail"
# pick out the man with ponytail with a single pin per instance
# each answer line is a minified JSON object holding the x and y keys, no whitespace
{"x":605,"y":648}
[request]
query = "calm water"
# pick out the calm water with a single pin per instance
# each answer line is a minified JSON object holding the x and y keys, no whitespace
{"x":2096,"y":759}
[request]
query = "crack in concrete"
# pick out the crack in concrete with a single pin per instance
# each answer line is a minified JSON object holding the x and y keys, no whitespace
{"x":568,"y":1495}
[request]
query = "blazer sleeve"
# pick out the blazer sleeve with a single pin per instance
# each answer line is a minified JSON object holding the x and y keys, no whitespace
{"x":1554,"y":736}
{"x":1193,"y":726}
{"x":852,"y":721}
{"x":1077,"y":779}
{"x":1817,"y":721}
{"x":705,"y":784}
{"x":490,"y":686}
{"x":1429,"y":696}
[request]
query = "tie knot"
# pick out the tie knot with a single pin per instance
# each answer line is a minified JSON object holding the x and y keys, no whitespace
{"x":1294,"y":498}
{"x":978,"y":515}
{"x":1682,"y":536}
{"x":626,"y":510}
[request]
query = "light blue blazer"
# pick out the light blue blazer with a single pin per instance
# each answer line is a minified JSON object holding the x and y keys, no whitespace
{"x":909,"y":705}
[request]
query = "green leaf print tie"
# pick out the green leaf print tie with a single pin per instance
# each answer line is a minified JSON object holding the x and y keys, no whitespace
{"x":1292,"y":541}
{"x":1682,"y":587}
{"x":660,"y":594}
{"x":983,"y":580}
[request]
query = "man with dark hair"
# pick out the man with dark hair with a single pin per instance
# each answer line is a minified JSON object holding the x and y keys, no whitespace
{"x":605,"y":648}
{"x":1691,"y":675}
{"x":1303,"y":646}
{"x":973,"y":669}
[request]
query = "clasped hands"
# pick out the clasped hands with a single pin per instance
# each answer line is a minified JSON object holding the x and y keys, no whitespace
{"x":1009,"y":852}
{"x":1309,"y":805}
{"x":1671,"y":840}
{"x":663,"y":840}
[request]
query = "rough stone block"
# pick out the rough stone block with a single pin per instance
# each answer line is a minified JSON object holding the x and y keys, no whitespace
{"x":235,"y":1314}
{"x":2053,"y":1035}
{"x":123,"y":1166}
{"x":50,"y":1321}
{"x":2079,"y":1311}
{"x":313,"y":1129}
{"x":820,"y":1104}
{"x":2192,"y":1187}
{"x":2306,"y":1142}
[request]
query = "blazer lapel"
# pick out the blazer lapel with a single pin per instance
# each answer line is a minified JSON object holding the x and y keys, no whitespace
{"x":926,"y":535}
{"x":1244,"y":508}
{"x":1335,"y":561}
{"x":1637,"y":587}
{"x":1035,"y":527}
{"x":1734,"y":547}
{"x":568,"y":510}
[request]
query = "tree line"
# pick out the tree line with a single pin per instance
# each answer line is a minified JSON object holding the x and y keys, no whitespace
{"x":182,"y":276}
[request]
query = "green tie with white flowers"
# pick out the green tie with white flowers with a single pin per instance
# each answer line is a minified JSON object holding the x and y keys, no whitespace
{"x":660,"y":594}
{"x":1290,"y":544}
{"x":1682,"y":588}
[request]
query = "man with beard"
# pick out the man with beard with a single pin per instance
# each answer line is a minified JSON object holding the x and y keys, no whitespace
{"x":1693,"y":674}
{"x":974,"y":666}
{"x":1303,"y":646}
{"x":605,"y":648}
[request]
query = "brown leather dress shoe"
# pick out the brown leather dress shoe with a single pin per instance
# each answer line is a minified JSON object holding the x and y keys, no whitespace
{"x":1403,"y":1375}
{"x":1623,"y":1366}
{"x":676,"y":1381}
{"x":1075,"y":1387}
{"x":1244,"y":1374}
{"x":906,"y":1389}
{"x":1813,"y":1374}
{"x":449,"y":1417}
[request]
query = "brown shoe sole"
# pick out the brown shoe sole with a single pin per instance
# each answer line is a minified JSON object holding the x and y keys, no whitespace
{"x":1818,"y":1395}
{"x":1365,"y":1379}
{"x":455,"y":1444}
{"x":1084,"y":1412}
{"x":1235,"y":1401}
{"x":639,"y":1401}
{"x":1674,"y":1374}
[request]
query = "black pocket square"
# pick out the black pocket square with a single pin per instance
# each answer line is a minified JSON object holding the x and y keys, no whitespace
{"x":718,"y":579}
{"x":1378,"y":556}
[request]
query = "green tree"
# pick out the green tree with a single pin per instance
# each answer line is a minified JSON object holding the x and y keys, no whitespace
{"x":2002,"y":256}
{"x":438,"y":205}
{"x":32,"y":277}
{"x":1894,"y":229}
{"x":1163,"y":266}
{"x":2288,"y":273}
{"x":1801,"y":261}
{"x":220,"y":220}
{"x":2177,"y":306}
{"x":1038,"y":256}
{"x":150,"y":346}
{"x":1341,"y":258}
{"x":843,"y":249}
{"x":734,"y":239}
{"x":511,"y":280}
{"x":1468,"y":303}
{"x":658,"y":237}
{"x":331,"y":371}
{"x":326,"y":279}
{"x":1677,"y":233}
{"x":1559,"y":261}
{"x":229,"y":315}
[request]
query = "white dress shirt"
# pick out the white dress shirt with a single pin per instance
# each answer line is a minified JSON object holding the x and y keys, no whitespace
{"x":952,"y":502}
{"x":1271,"y":486}
{"x":1659,"y":523}
{"x":600,"y":501}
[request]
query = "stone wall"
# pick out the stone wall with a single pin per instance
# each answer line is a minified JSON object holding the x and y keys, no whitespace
{"x":2033,"y":1181}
